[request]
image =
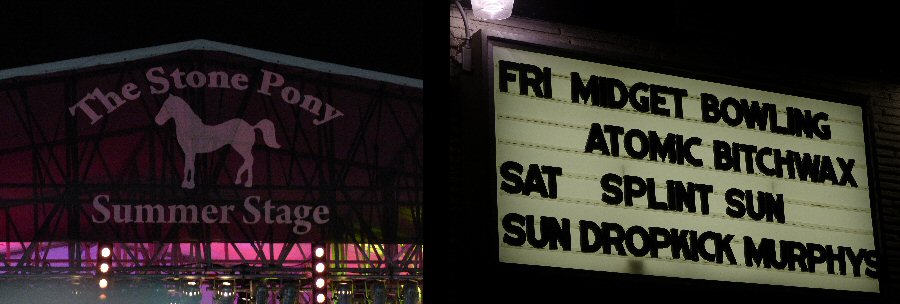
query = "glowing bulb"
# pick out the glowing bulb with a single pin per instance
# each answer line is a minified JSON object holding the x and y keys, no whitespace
{"x":320,"y":267}
{"x":103,"y":283}
{"x":102,"y":296}
{"x":320,"y":282}
{"x":105,"y":252}
{"x":192,"y":283}
{"x":320,"y":298}
{"x":492,"y":9}
{"x":104,"y":267}
{"x":226,"y":283}
{"x":320,"y":252}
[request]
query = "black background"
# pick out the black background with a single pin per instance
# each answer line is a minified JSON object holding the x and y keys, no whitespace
{"x":381,"y":36}
{"x":409,"y":39}
{"x":857,"y":38}
{"x":844,"y":41}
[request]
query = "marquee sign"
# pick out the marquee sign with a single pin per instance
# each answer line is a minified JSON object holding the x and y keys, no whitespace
{"x":610,"y":168}
{"x":206,"y":141}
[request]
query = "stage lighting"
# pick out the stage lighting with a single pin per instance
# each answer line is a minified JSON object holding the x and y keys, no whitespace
{"x":262,"y":294}
{"x":320,"y":274}
{"x":343,"y":293}
{"x":289,"y":294}
{"x":320,"y":267}
{"x":320,"y":252}
{"x":104,"y":263}
{"x":410,"y":293}
{"x":376,"y":292}
{"x":225,"y":295}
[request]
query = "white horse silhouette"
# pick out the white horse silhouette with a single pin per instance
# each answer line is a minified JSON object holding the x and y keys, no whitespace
{"x":196,"y":137}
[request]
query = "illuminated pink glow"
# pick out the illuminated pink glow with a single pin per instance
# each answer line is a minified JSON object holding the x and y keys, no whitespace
{"x":56,"y":254}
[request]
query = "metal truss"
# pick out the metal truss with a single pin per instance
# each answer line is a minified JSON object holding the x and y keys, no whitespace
{"x":169,"y":265}
{"x":64,"y":167}
{"x":373,"y":175}
{"x":245,"y":260}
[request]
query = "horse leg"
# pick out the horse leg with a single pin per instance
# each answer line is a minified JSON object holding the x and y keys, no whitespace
{"x":240,"y":171}
{"x":246,"y":167}
{"x":249,"y":163}
{"x":188,"y":182}
{"x":245,"y":152}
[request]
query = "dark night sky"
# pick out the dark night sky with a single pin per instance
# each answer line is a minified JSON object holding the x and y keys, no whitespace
{"x":381,"y":36}
{"x":856,"y":39}
{"x":388,"y":36}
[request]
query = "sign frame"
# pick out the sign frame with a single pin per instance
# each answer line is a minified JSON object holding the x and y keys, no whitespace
{"x":478,"y":111}
{"x":57,"y":91}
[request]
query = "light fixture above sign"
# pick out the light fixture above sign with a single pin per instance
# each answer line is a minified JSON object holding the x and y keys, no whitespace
{"x":492,"y":9}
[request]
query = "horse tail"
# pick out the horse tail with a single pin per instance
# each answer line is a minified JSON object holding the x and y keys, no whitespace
{"x":268,"y":132}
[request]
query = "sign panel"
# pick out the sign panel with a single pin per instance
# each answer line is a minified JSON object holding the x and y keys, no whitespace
{"x":608,"y":168}
{"x":210,"y":145}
